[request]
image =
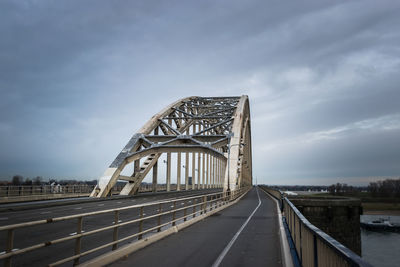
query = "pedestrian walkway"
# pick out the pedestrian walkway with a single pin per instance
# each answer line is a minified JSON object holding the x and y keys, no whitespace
{"x":245,"y":234}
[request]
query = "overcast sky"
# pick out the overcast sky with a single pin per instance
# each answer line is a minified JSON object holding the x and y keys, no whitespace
{"x":79,"y":78}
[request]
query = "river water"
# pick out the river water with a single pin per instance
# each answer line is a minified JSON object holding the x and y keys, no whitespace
{"x":381,"y":249}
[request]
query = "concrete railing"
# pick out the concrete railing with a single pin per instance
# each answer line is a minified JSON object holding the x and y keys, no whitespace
{"x":314,"y":247}
{"x":152,"y":218}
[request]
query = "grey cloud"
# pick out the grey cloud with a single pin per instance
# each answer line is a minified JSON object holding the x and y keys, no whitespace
{"x":78,"y":78}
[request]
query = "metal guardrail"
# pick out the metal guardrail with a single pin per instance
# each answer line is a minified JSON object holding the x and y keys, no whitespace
{"x":189,"y":208}
{"x":28,"y":190}
{"x":313,"y":246}
{"x":35,"y":190}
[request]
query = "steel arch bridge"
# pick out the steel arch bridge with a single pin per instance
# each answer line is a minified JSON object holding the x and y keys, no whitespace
{"x":212,"y":134}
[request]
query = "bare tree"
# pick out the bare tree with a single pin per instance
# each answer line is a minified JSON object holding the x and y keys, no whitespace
{"x":28,"y":181}
{"x":37,"y":180}
{"x":17,"y":180}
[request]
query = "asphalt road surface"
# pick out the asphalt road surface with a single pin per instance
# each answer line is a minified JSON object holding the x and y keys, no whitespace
{"x":25,"y":237}
{"x":207,"y":243}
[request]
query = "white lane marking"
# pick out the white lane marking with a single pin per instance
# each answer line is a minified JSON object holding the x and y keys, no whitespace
{"x":14,"y":249}
{"x":75,"y":233}
{"x":3,"y":218}
{"x":78,"y":208}
{"x":119,"y":221}
{"x":119,"y":202}
{"x":100,"y":205}
{"x":228,"y":247}
{"x":45,"y":212}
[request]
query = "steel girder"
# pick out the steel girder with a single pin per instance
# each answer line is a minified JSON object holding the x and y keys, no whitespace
{"x":214,"y":126}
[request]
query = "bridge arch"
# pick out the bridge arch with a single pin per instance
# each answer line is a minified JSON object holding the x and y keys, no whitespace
{"x":214,"y":130}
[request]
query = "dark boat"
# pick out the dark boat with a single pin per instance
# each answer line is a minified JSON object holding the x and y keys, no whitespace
{"x":381,"y":224}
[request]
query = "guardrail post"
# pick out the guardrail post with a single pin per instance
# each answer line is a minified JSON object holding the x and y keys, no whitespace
{"x":301,"y":243}
{"x":9,"y":246}
{"x":115,"y":233}
{"x":216,"y":201}
{"x":78,"y":240}
{"x":194,"y":207}
{"x":159,"y":217}
{"x":141,"y":223}
{"x":185,"y":212}
{"x":173,"y":214}
{"x":204,"y":204}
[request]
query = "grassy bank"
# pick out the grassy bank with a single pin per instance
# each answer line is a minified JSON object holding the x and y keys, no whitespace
{"x":372,"y":208}
{"x":371,"y":205}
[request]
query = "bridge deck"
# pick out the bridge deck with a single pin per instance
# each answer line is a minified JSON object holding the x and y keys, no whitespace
{"x":202,"y":243}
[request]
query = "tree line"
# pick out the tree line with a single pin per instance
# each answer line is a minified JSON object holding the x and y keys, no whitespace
{"x":38,"y":180}
{"x":389,"y":188}
{"x":385,"y":188}
{"x":340,"y":189}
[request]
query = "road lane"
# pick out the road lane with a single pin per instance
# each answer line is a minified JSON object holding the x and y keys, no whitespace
{"x":25,"y":237}
{"x":18,"y":216}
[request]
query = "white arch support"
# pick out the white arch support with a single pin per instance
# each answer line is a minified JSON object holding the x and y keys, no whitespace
{"x":210,"y":129}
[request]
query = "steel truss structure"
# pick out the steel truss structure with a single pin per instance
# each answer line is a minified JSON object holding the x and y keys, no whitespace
{"x":215,"y":131}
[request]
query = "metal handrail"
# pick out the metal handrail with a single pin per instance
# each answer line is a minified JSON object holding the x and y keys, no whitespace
{"x":207,"y":201}
{"x":352,"y":258}
{"x":297,"y":224}
{"x":62,"y":218}
{"x":23,"y":191}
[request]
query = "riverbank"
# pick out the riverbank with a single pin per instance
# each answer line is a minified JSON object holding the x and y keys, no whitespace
{"x":382,"y":212}
{"x":380,"y":208}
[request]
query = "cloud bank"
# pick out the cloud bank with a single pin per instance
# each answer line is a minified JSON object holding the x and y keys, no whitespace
{"x":78,"y":78}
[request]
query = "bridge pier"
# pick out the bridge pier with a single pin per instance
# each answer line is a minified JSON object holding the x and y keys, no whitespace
{"x":338,"y":217}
